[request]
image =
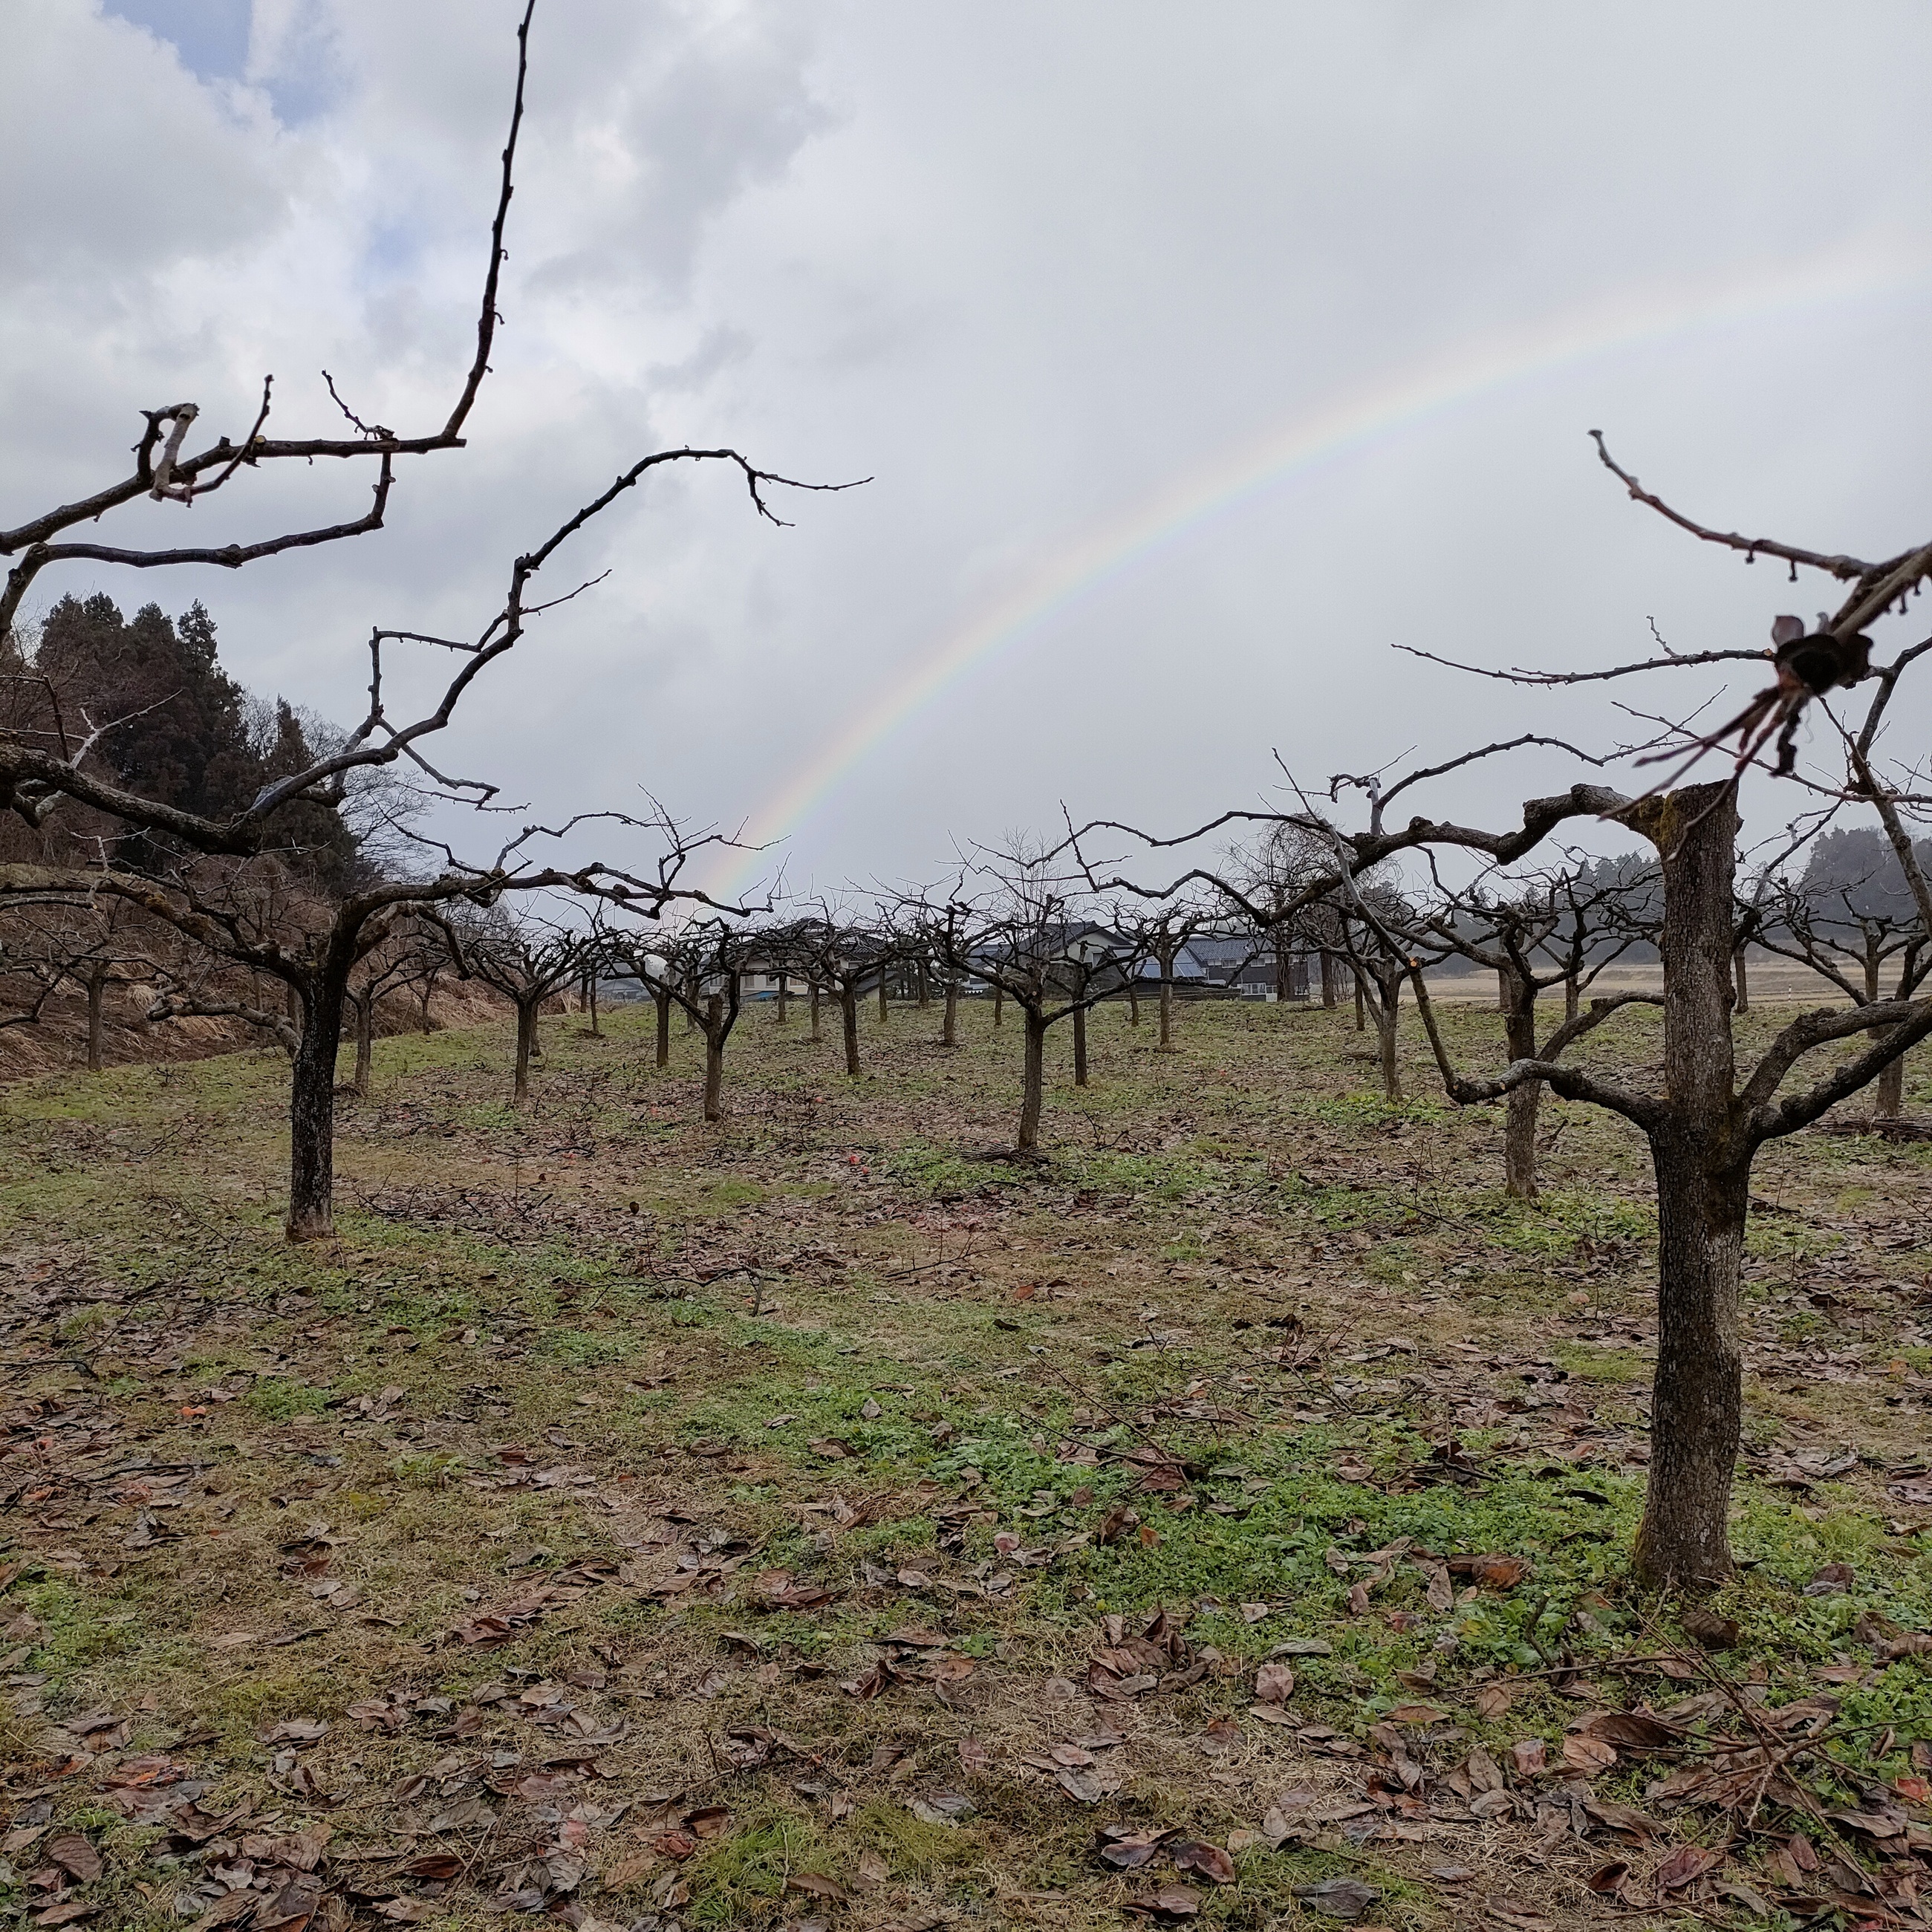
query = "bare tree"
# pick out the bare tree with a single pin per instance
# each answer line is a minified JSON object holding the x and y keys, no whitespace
{"x":112,"y":955}
{"x":644,"y":957}
{"x":1560,"y":928}
{"x":1706,"y":1123}
{"x":1018,"y":920}
{"x":67,"y":939}
{"x":527,"y":956}
{"x":411,"y":954}
{"x":1380,"y":937}
{"x":1849,"y":930}
{"x":835,"y":949}
{"x":165,"y":473}
{"x":1160,"y":935}
{"x":37,"y":953}
{"x":701,"y":966}
{"x":41,"y":775}
{"x":1273,"y":867}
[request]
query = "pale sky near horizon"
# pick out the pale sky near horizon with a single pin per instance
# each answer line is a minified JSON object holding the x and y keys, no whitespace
{"x":1198,"y":355}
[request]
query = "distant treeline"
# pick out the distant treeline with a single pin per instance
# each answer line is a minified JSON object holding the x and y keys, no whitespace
{"x":173,"y":726}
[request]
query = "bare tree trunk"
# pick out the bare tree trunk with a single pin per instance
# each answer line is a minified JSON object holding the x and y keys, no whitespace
{"x":590,"y":1001}
{"x":1361,"y":1022}
{"x":1703,"y":1191}
{"x":662,"y":997}
{"x":784,"y":999}
{"x":924,"y":987}
{"x":1520,"y":1109}
{"x":1079,"y":1046}
{"x":1743,"y":978}
{"x":429,"y":988}
{"x":1888,"y":1097}
{"x":883,"y":1014}
{"x":949,"y":1030}
{"x":1280,"y":974}
{"x":312,"y":1111}
{"x":999,"y":1007}
{"x":1133,"y":1003}
{"x":1328,"y":997}
{"x":1166,"y":1010}
{"x":365,"y":1040}
{"x":1034,"y":1085}
{"x":292,"y":1005}
{"x":814,"y":1010}
{"x":1889,"y":1101}
{"x":96,"y":984}
{"x":1387,"y":1011}
{"x":527,"y":1034}
{"x":1573,"y":994}
{"x":714,"y":1058}
{"x":1696,"y":1409}
{"x":848,"y":1013}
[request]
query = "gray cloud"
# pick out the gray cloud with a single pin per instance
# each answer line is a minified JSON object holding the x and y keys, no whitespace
{"x":1039,"y":271}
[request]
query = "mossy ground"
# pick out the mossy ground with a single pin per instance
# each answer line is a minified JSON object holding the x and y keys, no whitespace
{"x":248,"y":1482}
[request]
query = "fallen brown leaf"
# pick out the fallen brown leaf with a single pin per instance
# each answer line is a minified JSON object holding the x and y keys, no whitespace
{"x":1195,"y":1855}
{"x":1274,"y":1684}
{"x":1685,"y":1865}
{"x":1171,"y":1901}
{"x":75,"y":1855}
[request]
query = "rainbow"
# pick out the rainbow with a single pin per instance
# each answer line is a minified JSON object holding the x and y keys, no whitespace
{"x":1396,"y":403}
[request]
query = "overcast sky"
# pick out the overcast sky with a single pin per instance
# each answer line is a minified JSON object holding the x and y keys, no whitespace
{"x":1198,"y":354}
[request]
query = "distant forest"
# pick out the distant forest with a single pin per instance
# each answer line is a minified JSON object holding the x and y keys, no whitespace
{"x":174,"y":726}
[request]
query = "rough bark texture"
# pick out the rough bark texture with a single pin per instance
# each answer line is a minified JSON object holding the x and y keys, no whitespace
{"x":848,"y":1012}
{"x":1327,"y":978}
{"x":784,"y":999}
{"x":999,"y":1006}
{"x":1702,"y":1163}
{"x":714,"y":1058}
{"x":1519,"y":1005}
{"x":1888,"y":1095}
{"x":924,"y":987}
{"x":814,"y":1004}
{"x":312,"y":1109}
{"x":1166,"y":1011}
{"x":1033,"y":1085}
{"x":663,"y":999}
{"x":884,"y":1013}
{"x":1385,"y":1039}
{"x":1361,"y":1017}
{"x":948,"y":1031}
{"x":1079,"y":1046}
{"x":1742,"y":976}
{"x":527,"y":1036}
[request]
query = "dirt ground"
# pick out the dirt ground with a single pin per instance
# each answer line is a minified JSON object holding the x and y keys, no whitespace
{"x":807,"y":1521}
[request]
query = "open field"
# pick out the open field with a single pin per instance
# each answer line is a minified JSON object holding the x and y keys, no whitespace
{"x":804,"y":1519}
